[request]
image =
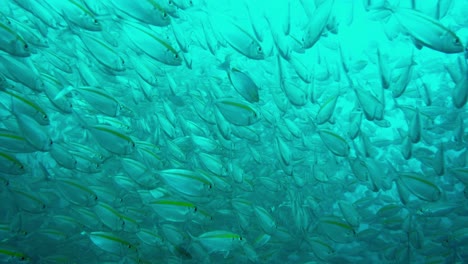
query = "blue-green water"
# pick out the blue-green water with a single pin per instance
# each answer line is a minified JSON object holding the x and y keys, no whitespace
{"x":301,"y":131}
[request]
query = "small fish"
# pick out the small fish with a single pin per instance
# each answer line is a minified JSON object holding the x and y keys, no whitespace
{"x":335,"y":143}
{"x":326,"y":110}
{"x":97,"y":97}
{"x":112,"y":139}
{"x":174,"y":211}
{"x":266,"y":221}
{"x":460,"y":92}
{"x":153,"y":45}
{"x":186,"y":182}
{"x":317,"y":23}
{"x":11,"y":165}
{"x":104,"y":54}
{"x":28,"y":200}
{"x":23,"y":105}
{"x":10,"y":141}
{"x":237,"y":112}
{"x":320,"y":248}
{"x":34,"y":133}
{"x":421,"y":187}
{"x":12,"y":42}
{"x":21,"y":70}
{"x":242,"y":41}
{"x":427,"y":31}
{"x":77,"y":14}
{"x":336,"y":229}
{"x":63,"y":156}
{"x":29,"y":34}
{"x":415,"y":129}
{"x":219,"y":241}
{"x":244,"y":85}
{"x":147,"y":11}
{"x":11,"y":255}
{"x":112,"y":243}
{"x":76,"y":193}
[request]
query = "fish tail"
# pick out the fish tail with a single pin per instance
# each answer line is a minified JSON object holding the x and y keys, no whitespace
{"x":381,"y":11}
{"x":226,"y":64}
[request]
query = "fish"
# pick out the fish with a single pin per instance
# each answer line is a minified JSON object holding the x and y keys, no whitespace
{"x":422,"y":188}
{"x":155,"y":47}
{"x":335,"y":229}
{"x":219,"y":241}
{"x":326,"y":110}
{"x":22,"y":71}
{"x":426,"y":31}
{"x":77,"y":14}
{"x":106,"y":55}
{"x":242,"y":41}
{"x":334,"y":143}
{"x":110,"y":242}
{"x":62,"y":156}
{"x":316,"y":24}
{"x":22,"y":105}
{"x":9,"y":254}
{"x":174,"y":211}
{"x":187,"y":182}
{"x":34,"y":133}
{"x":237,"y":112}
{"x":12,"y":42}
{"x":76,"y":193}
{"x":147,"y":11}
{"x":244,"y":85}
{"x":11,"y":165}
{"x":112,"y":139}
{"x":320,"y":248}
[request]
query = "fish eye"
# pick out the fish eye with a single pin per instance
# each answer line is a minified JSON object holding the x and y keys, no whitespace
{"x":45,"y":116}
{"x":259,"y":48}
{"x":164,"y":14}
{"x":95,"y":21}
{"x":51,"y":142}
{"x":26,"y":46}
{"x":195,"y":209}
{"x":457,"y":41}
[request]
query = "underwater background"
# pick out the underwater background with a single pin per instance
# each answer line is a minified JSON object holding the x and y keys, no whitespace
{"x":204,"y":131}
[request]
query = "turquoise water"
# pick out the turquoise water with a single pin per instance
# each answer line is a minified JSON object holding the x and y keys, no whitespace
{"x":302,"y":131}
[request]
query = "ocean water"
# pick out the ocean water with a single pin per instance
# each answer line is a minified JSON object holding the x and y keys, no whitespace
{"x":204,"y":131}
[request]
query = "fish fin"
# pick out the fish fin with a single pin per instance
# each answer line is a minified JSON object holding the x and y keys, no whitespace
{"x":64,"y":92}
{"x":417,"y":44}
{"x":226,"y":64}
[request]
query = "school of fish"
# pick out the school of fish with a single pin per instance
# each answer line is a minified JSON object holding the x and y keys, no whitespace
{"x":203,"y":131}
